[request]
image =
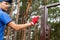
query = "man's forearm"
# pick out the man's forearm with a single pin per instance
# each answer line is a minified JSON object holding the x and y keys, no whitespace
{"x":21,"y":26}
{"x":18,"y":26}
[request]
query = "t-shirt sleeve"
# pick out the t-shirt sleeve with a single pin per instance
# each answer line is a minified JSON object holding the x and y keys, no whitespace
{"x":5,"y":18}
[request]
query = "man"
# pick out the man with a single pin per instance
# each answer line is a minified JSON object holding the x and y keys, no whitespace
{"x":6,"y":20}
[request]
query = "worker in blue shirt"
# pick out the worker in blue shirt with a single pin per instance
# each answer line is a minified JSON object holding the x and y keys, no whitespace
{"x":6,"y":20}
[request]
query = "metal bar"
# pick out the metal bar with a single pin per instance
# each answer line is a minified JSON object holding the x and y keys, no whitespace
{"x":43,"y":23}
{"x":53,"y":5}
{"x":45,"y":29}
{"x":48,"y":32}
{"x":50,"y":5}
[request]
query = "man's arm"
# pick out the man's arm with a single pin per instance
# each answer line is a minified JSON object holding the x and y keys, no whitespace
{"x":21,"y":26}
{"x":18,"y":26}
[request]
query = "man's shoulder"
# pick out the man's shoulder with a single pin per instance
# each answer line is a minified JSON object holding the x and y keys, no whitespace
{"x":2,"y":13}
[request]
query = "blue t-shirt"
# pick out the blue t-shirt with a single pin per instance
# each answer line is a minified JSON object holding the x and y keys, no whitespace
{"x":4,"y":20}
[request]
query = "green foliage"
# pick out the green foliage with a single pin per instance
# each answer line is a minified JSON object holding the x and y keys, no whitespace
{"x":24,"y":5}
{"x":53,"y":13}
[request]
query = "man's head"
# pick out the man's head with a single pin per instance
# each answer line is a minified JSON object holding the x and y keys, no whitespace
{"x":4,"y":4}
{"x":9,"y":1}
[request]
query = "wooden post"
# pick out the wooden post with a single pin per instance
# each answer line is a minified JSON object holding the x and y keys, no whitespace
{"x":8,"y":37}
{"x":26,"y":15}
{"x":17,"y":17}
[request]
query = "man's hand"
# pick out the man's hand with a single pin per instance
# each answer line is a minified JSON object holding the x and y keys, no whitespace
{"x":34,"y":20}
